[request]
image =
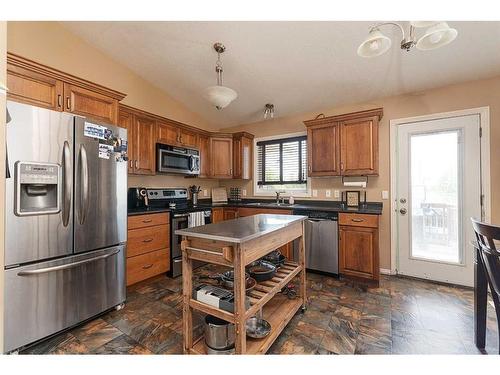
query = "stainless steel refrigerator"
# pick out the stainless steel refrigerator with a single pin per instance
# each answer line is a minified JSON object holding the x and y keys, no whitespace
{"x":66,"y":222}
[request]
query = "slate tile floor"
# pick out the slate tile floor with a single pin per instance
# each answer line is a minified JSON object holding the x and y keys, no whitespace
{"x":402,"y":316}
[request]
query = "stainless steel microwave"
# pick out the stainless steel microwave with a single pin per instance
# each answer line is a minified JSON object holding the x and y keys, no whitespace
{"x":172,"y":159}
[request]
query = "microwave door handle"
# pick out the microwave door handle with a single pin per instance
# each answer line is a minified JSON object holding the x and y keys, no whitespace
{"x":191,"y":163}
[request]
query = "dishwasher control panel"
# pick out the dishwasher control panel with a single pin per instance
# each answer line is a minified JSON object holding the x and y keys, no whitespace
{"x":327,"y":215}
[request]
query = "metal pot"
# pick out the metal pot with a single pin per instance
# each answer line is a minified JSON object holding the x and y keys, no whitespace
{"x":219,"y":334}
{"x":215,"y":351}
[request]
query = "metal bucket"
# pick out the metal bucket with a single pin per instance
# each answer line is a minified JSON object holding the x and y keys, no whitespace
{"x":219,"y":334}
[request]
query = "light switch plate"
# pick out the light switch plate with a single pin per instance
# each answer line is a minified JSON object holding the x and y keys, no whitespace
{"x":315,"y":193}
{"x":385,"y":194}
{"x":336,"y":194}
{"x":205,"y":192}
{"x":328,"y":193}
{"x":244,"y":192}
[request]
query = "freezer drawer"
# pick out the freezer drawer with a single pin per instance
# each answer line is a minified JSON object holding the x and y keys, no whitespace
{"x":44,"y":298}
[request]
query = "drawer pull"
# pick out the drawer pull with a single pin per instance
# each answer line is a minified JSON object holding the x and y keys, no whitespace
{"x":147,"y":240}
{"x":358,"y":220}
{"x":147,"y":221}
{"x":147,"y":266}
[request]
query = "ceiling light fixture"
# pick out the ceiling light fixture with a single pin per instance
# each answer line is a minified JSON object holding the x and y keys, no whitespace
{"x":220,"y":96}
{"x":269,"y":111}
{"x":437,"y":35}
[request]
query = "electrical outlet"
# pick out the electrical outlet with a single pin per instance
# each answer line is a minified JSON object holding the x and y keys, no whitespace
{"x":244,"y":192}
{"x":385,"y":194}
{"x":315,"y":193}
{"x":336,"y":194}
{"x":328,"y":193}
{"x":205,"y":192}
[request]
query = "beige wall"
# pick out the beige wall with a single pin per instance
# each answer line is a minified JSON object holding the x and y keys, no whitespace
{"x":3,"y":51}
{"x":450,"y":98}
{"x":51,"y":44}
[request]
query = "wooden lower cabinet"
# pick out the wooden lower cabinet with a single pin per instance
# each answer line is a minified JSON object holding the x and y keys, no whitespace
{"x":230,"y":213}
{"x":358,"y":246}
{"x":148,"y":246}
{"x":217,"y":215}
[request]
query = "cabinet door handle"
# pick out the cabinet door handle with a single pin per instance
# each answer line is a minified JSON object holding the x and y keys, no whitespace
{"x":147,"y":266}
{"x":147,"y":220}
{"x":358,"y":220}
{"x":131,"y":164}
{"x":59,"y":100}
{"x":68,"y":103}
{"x":310,"y":168}
{"x":147,"y":240}
{"x":341,"y":165}
{"x":136,"y":163}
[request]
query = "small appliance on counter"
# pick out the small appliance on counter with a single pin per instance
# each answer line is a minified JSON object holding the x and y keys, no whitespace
{"x":137,"y":198}
{"x":235,"y":194}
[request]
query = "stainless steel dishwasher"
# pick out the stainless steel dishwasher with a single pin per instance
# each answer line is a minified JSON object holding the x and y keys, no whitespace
{"x":321,"y":239}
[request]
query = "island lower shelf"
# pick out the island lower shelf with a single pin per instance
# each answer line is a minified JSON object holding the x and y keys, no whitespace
{"x":278,"y":312}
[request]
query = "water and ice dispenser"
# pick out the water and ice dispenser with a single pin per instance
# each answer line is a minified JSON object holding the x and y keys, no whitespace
{"x":38,"y":188}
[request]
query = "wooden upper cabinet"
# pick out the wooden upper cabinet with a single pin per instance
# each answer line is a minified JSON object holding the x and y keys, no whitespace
{"x":242,"y":155}
{"x":27,"y":86}
{"x":359,"y":146}
{"x":144,"y":135}
{"x":323,"y":150}
{"x":204,"y":147}
{"x":188,"y":138}
{"x":167,"y":134}
{"x":221,"y":149}
{"x":88,"y":103}
{"x":36,"y":84}
{"x":344,"y":145}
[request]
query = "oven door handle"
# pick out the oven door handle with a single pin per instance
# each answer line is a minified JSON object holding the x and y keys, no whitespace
{"x":180,"y":215}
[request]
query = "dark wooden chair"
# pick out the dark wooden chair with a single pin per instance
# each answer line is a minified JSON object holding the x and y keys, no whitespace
{"x":486,"y":235}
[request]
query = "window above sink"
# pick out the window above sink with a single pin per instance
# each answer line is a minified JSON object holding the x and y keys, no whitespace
{"x":281,"y":165}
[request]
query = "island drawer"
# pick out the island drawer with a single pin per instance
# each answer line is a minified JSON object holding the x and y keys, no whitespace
{"x":142,"y":267}
{"x":144,"y":240}
{"x":358,"y":220}
{"x":148,"y":220}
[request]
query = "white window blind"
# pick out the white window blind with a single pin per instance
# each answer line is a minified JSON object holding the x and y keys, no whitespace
{"x":282,"y":161}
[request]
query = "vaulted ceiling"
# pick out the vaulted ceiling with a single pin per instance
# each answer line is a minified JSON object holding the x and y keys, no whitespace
{"x":297,"y":66}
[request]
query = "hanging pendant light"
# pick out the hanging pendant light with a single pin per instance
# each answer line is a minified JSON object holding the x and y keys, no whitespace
{"x":374,"y":45}
{"x":268,"y":111}
{"x":220,"y":96}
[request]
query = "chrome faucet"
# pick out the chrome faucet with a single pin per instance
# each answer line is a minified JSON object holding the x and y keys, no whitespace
{"x":279,"y":197}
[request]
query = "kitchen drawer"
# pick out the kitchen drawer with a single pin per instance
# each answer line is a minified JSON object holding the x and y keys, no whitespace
{"x":141,"y":221}
{"x":145,"y":240}
{"x":358,"y":220}
{"x":142,"y":267}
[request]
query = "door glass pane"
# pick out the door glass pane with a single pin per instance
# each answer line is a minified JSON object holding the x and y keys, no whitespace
{"x":435,"y":190}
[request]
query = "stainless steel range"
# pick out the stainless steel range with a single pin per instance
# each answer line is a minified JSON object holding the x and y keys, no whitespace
{"x":180,"y":209}
{"x":66,"y":222}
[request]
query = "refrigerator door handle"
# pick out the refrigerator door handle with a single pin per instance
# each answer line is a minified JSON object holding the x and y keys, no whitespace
{"x":66,"y":266}
{"x":84,"y":190}
{"x":66,"y":184}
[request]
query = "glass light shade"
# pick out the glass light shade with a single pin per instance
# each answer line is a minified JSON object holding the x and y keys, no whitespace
{"x":374,"y":45}
{"x":420,"y":24}
{"x":220,"y":96}
{"x":437,"y":36}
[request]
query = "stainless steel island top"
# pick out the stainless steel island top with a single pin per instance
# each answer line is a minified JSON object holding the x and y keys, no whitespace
{"x":242,"y":229}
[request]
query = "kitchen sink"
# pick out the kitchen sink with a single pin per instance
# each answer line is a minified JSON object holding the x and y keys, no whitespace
{"x":268,"y":204}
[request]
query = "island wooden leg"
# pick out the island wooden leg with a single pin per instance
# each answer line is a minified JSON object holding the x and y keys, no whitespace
{"x":187,"y":292}
{"x":239,"y":302}
{"x":302,"y":262}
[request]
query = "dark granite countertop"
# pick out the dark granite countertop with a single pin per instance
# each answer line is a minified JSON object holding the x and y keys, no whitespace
{"x":374,"y":208}
{"x":146,"y":210}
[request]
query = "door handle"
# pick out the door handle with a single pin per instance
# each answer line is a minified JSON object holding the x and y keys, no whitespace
{"x":403,"y":211}
{"x":59,"y":101}
{"x":84,"y":190}
{"x":67,"y":184}
{"x":136,"y":164}
{"x":68,"y":103}
{"x":66,"y":266}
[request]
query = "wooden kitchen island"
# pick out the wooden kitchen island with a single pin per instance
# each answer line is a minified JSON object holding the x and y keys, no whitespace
{"x":237,"y":243}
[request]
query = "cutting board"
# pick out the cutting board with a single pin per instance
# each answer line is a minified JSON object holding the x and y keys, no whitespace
{"x":219,"y":195}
